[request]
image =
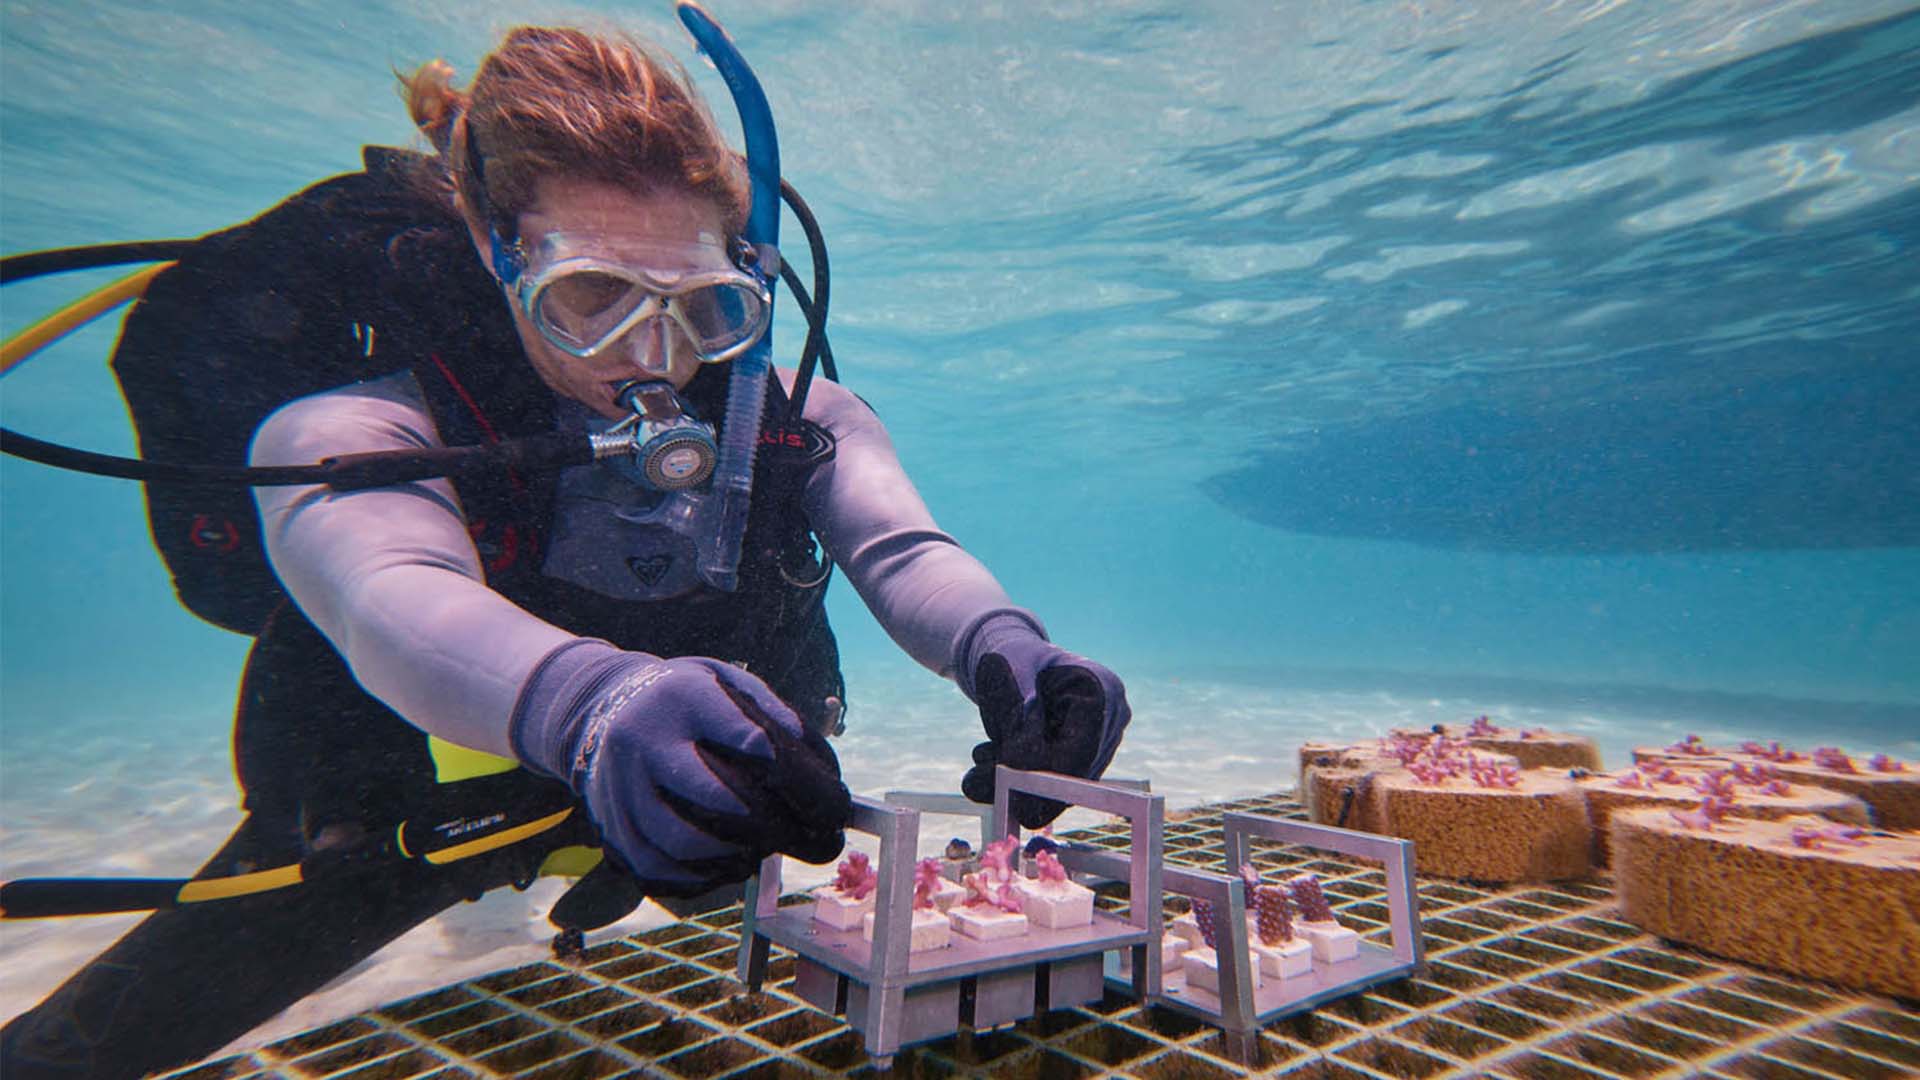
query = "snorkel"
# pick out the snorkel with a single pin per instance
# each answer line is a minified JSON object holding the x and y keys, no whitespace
{"x":747,"y":386}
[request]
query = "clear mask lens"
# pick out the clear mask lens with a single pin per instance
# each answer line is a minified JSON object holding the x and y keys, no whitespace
{"x":586,"y":310}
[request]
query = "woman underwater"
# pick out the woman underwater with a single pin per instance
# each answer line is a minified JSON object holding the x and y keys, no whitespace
{"x":575,"y":257}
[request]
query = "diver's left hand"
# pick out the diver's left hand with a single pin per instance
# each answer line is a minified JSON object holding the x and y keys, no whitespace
{"x":1043,"y":708}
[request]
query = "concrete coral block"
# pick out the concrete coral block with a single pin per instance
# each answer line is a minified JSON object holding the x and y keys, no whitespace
{"x":931,"y":929}
{"x":838,"y":910}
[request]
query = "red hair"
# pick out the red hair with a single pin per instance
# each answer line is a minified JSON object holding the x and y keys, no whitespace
{"x":559,"y":101}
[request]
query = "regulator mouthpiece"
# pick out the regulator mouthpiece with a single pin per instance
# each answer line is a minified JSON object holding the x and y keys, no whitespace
{"x":666,"y":447}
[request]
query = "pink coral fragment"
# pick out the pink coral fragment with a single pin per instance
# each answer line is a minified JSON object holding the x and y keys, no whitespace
{"x":926,"y":882}
{"x":1203,"y":914}
{"x":1492,"y":774}
{"x":1048,"y":867}
{"x":1631,"y":781}
{"x":855,"y":876}
{"x":1482,"y":728}
{"x":996,"y":862}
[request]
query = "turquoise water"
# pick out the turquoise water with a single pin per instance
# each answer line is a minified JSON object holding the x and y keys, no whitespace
{"x":1353,"y":364}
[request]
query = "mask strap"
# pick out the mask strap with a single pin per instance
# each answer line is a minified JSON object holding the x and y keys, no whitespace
{"x":509,"y":256}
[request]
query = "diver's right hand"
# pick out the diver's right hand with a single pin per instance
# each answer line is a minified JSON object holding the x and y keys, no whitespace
{"x":692,"y":769}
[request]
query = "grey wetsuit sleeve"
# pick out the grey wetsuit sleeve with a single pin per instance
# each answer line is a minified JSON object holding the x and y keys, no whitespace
{"x":923,"y":587}
{"x":390,"y":575}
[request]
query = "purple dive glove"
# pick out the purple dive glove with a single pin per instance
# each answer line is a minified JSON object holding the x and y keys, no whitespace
{"x":1043,"y":708}
{"x":692,"y":769}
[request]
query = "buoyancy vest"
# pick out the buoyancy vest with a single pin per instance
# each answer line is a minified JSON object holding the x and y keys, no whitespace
{"x":359,"y":277}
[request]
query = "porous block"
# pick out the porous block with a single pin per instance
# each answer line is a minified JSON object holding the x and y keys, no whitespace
{"x":1535,"y":831}
{"x":837,"y":909}
{"x":1331,"y":942}
{"x":1202,"y":966}
{"x":1327,"y":755}
{"x":1055,"y":905}
{"x":987,"y":923}
{"x":1287,"y":959}
{"x":931,"y":929}
{"x":1834,"y":911}
{"x":1533,"y":748}
{"x":1341,"y":796}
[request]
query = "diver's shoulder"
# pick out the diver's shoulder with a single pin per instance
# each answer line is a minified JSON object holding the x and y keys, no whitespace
{"x":830,"y":404}
{"x":387,"y":413}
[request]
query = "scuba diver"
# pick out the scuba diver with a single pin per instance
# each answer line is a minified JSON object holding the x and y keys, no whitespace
{"x":621,"y":665}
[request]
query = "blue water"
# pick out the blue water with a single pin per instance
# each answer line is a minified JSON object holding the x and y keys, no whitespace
{"x":1554,"y":358}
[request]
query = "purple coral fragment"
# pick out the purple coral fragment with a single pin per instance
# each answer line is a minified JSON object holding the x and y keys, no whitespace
{"x":1659,"y":773}
{"x":1883,"y":763}
{"x":1717,"y":784}
{"x":1691,"y":745}
{"x":1710,"y":811}
{"x":1771,"y":752}
{"x":1404,"y":750}
{"x":1203,"y":914}
{"x":1812,"y":836}
{"x":1274,"y":921}
{"x":1308,"y":897}
{"x":1834,"y":758}
{"x":1482,"y":728}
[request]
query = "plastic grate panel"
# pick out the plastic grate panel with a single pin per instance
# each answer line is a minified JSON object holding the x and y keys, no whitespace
{"x":1521,"y":983}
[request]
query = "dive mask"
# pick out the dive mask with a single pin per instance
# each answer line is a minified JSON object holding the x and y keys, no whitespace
{"x":583,"y":293}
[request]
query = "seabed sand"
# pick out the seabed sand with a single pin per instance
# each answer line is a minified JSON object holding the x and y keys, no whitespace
{"x":153,"y":803}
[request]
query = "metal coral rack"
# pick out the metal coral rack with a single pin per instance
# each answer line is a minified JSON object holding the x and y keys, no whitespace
{"x":894,"y":997}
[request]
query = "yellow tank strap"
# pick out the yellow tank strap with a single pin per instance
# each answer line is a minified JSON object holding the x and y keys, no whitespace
{"x":453,"y":762}
{"x":497,"y":840}
{"x":572,"y":861}
{"x":194,"y":892}
{"x":75,"y":315}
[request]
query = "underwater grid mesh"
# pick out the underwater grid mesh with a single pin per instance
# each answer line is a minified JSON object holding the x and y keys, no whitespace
{"x":1525,"y":983}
